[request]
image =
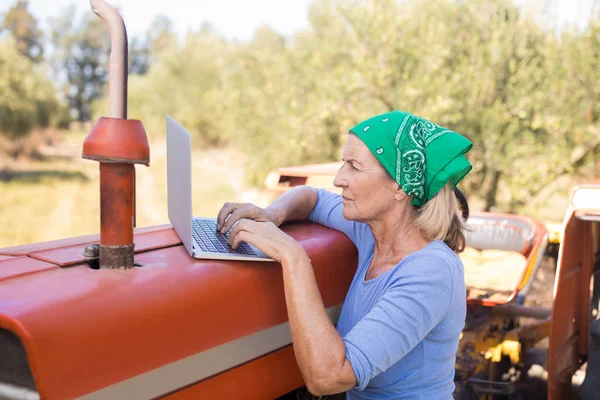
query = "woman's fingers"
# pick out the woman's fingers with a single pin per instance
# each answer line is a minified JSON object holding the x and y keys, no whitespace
{"x":227,"y":209}
{"x":242,"y":225}
{"x":233,"y":212}
{"x":266,"y":236}
{"x":256,"y":233}
{"x":242,"y":236}
{"x":232,"y":219}
{"x":230,"y":213}
{"x":243,"y":212}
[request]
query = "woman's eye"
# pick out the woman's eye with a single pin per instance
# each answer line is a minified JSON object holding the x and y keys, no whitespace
{"x":350,"y":164}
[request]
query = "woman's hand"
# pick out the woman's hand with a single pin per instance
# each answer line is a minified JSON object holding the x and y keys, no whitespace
{"x":268,"y":238}
{"x":232,"y":212}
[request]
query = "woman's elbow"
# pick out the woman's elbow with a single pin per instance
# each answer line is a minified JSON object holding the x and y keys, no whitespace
{"x":314,"y":389}
{"x":322,"y":385}
{"x":320,"y":388}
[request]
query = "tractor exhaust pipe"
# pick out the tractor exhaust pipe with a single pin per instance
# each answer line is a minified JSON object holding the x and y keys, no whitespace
{"x":117,"y":143}
{"x":117,"y":70}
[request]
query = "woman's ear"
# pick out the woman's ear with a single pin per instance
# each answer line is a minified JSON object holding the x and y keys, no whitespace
{"x":398,"y":193}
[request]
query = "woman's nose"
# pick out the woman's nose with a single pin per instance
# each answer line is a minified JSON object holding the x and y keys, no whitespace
{"x":339,"y":180}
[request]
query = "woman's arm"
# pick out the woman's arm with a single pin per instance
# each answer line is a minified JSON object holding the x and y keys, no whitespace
{"x":320,"y":350}
{"x":295,"y":204}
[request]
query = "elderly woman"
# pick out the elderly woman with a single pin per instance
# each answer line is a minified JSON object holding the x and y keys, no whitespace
{"x":398,"y":331}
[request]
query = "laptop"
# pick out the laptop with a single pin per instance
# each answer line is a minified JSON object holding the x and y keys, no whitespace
{"x":199,"y":235}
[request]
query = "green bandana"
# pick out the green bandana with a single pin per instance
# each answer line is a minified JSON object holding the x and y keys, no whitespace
{"x":420,"y":155}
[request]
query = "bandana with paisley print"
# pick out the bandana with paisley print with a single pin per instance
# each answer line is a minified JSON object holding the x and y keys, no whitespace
{"x":420,"y":155}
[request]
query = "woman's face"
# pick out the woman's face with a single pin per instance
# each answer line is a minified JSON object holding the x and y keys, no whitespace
{"x":367,"y":189}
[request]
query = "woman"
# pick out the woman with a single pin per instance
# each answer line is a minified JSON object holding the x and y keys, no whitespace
{"x":398,"y":331}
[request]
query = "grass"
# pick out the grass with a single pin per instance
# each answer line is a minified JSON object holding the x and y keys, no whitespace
{"x":39,"y":204}
{"x":59,"y":198}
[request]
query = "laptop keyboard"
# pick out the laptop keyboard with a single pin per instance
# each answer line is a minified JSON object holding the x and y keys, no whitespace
{"x":209,"y":240}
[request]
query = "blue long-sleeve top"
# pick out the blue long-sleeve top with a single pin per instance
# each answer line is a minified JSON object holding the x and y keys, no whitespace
{"x":400,"y":329}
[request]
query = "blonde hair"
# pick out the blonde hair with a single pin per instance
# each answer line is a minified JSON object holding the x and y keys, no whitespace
{"x":440,"y":219}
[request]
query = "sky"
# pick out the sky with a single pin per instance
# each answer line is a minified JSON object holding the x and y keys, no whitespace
{"x":233,"y":18}
{"x":240,"y":18}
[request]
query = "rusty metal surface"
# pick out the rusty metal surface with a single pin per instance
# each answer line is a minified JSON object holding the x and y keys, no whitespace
{"x":116,"y":256}
{"x":116,"y":160}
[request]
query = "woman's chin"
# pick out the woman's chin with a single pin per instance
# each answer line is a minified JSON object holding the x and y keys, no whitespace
{"x":348,"y":214}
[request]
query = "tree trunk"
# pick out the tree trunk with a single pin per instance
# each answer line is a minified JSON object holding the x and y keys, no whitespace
{"x":490,"y":197}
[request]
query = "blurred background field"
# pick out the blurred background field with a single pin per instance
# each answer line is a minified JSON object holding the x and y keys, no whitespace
{"x":520,"y":82}
{"x":54,"y":197}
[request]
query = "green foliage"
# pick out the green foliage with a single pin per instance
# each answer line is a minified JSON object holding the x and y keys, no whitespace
{"x":160,"y":36}
{"x":23,"y":27}
{"x":81,"y":56}
{"x":139,"y":57}
{"x":186,"y":85}
{"x":144,"y":51}
{"x":28,"y":98}
{"x":526,"y":97}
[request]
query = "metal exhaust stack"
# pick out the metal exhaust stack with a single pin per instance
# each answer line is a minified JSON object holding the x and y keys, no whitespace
{"x":117,"y":143}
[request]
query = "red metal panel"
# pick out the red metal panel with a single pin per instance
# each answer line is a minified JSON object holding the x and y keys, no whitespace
{"x":70,"y":255}
{"x":14,"y":267}
{"x":265,"y":378}
{"x":569,"y":329}
{"x":86,"y":329}
{"x":30,"y":248}
{"x":116,"y":140}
